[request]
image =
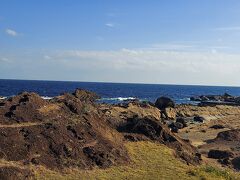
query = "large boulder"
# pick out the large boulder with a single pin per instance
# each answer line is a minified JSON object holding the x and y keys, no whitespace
{"x":182,"y":120}
{"x":164,"y":102}
{"x":199,"y":119}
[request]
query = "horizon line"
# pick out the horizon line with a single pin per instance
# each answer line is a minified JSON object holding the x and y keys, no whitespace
{"x":111,"y":82}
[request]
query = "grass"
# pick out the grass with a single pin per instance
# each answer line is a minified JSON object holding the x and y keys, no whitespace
{"x":16,"y":125}
{"x":149,"y":161}
{"x":210,"y":172}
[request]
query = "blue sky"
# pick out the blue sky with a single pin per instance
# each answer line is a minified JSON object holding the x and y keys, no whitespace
{"x":142,"y":41}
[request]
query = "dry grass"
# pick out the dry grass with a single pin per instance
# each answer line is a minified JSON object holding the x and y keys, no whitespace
{"x":15,"y":125}
{"x":49,"y":108}
{"x":149,"y":161}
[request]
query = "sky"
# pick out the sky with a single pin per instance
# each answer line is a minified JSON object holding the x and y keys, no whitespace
{"x":137,"y":41}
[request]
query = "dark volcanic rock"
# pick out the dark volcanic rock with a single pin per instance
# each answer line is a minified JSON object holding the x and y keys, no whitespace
{"x":195,"y":99}
{"x":135,"y":137}
{"x":236,"y":163}
{"x":175,"y":126}
{"x":182,"y":120}
{"x":225,"y":148}
{"x":231,"y":135}
{"x":204,"y":98}
{"x":199,"y":119}
{"x":164,"y":102}
{"x":219,"y":154}
{"x":225,"y":99}
{"x":217,"y":126}
{"x":178,"y":125}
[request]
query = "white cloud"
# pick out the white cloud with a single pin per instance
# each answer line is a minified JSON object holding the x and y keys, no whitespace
{"x":4,"y":59}
{"x":154,"y":60}
{"x":110,"y":25}
{"x":184,"y":47}
{"x":47,"y":57}
{"x":136,"y":65}
{"x":172,"y":46}
{"x":11,"y":32}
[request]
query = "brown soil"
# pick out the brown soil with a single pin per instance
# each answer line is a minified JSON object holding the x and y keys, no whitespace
{"x":63,"y":132}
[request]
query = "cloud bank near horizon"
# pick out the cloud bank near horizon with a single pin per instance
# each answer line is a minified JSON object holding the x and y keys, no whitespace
{"x":133,"y":65}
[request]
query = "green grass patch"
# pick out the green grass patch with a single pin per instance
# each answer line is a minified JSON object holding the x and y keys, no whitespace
{"x":148,"y":161}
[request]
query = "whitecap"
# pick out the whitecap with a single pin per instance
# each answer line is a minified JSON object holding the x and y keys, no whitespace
{"x":1,"y":97}
{"x":46,"y":97}
{"x":118,"y":99}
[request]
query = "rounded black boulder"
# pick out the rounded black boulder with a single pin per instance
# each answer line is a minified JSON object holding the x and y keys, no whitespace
{"x":199,"y":119}
{"x":164,"y":102}
{"x":182,"y":120}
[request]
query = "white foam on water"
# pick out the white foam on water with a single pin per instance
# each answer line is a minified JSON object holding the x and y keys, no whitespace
{"x":46,"y":97}
{"x":118,"y":99}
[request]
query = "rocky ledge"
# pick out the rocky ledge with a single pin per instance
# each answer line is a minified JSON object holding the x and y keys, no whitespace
{"x":225,"y":99}
{"x":71,"y":130}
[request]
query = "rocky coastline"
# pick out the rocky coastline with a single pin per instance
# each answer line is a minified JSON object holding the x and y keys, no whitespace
{"x":72,"y":130}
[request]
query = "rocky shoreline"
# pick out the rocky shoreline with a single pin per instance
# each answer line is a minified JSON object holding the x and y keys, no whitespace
{"x":211,"y":100}
{"x":72,"y":130}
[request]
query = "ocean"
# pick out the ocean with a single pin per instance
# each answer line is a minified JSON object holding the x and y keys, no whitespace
{"x":114,"y":92}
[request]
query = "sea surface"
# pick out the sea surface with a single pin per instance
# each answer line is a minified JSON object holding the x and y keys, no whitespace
{"x":114,"y":92}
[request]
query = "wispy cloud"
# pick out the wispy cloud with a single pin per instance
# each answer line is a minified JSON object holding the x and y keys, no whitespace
{"x":232,"y":28}
{"x":47,"y":57}
{"x":4,"y":59}
{"x":136,"y":65}
{"x":162,"y":61}
{"x":110,"y":25}
{"x":11,"y":32}
{"x":184,"y":47}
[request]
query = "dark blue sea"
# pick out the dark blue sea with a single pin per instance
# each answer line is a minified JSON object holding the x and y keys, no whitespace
{"x":114,"y":92}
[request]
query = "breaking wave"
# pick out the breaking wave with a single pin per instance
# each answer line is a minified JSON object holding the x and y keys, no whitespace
{"x":46,"y":97}
{"x":118,"y":99}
